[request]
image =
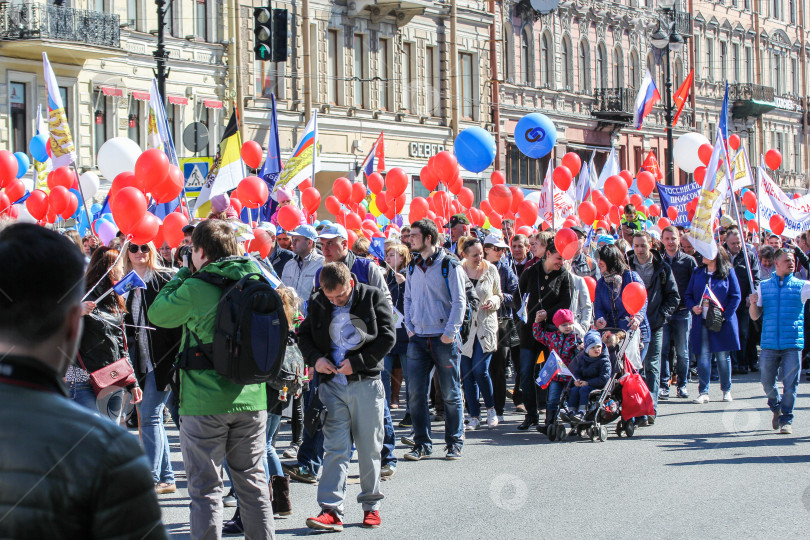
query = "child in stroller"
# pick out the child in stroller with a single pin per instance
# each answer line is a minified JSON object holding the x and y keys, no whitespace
{"x":591,"y":368}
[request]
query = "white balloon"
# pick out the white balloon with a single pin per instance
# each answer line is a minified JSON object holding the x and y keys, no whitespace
{"x":89,"y":183}
{"x":534,"y":196}
{"x":23,"y":215}
{"x":685,"y":151}
{"x":117,"y":155}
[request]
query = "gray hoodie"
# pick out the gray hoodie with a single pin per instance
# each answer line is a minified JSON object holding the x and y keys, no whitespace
{"x":430,"y":308}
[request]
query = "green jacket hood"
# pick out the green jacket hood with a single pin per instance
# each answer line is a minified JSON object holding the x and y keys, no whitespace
{"x":232,"y":267}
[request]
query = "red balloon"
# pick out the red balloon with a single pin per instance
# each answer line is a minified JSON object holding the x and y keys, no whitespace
{"x":375,"y":182}
{"x":13,"y":211}
{"x":173,"y":228}
{"x":591,"y":283}
{"x":636,"y":200}
{"x":305,"y":183}
{"x":495,"y":220}
{"x":628,"y":177}
{"x":705,"y":153}
{"x":749,"y":199}
{"x":396,"y":181}
{"x":15,"y":189}
{"x":486,"y":207}
{"x":777,"y":223}
{"x":517,"y":198}
{"x":529,"y":212}
{"x":654,"y":210}
{"x":151,"y":168}
{"x":615,"y":215}
{"x":500,"y":197}
{"x":235,"y":203}
{"x":700,"y":175}
{"x":563,"y":239}
{"x":602,"y":206}
{"x":382,"y":202}
{"x":261,"y":242}
{"x":428,"y":178}
{"x":311,"y":199}
{"x":5,"y":203}
{"x":615,"y":189}
{"x":71,"y":206}
{"x":734,"y":141}
{"x":645,"y":182}
{"x":352,"y":237}
{"x":145,"y":230}
{"x":634,"y":296}
{"x":171,"y":186}
{"x":752,"y":225}
{"x":455,"y":187}
{"x":333,"y":205}
{"x":587,"y":212}
{"x":466,"y":197}
{"x":59,"y":199}
{"x":445,"y":166}
{"x":773,"y":158}
{"x":353,"y":221}
{"x":342,"y":189}
{"x":253,"y":192}
{"x":8,"y":167}
{"x":128,"y":207}
{"x":289,"y":217}
{"x":419,"y":209}
{"x":663,"y":222}
{"x":62,"y":176}
{"x":572,"y":162}
{"x":497,"y":178}
{"x":251,"y":154}
{"x":37,"y":204}
{"x":358,"y":192}
{"x":125,"y":179}
{"x":562,"y":177}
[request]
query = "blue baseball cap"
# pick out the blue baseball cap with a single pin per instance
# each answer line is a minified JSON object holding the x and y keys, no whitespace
{"x":333,"y":230}
{"x":307,"y":231}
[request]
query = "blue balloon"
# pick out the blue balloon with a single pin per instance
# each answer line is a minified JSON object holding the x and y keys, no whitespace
{"x":326,"y":222}
{"x":474,"y":149}
{"x":23,"y":163}
{"x":96,"y":208}
{"x":38,"y":147}
{"x":648,"y":202}
{"x":535,"y":135}
{"x":79,"y":208}
{"x":749,"y":215}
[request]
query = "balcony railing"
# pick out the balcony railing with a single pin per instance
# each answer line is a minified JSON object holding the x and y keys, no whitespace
{"x":614,"y":101}
{"x":750,"y":92}
{"x":45,"y":21}
{"x":683,"y":23}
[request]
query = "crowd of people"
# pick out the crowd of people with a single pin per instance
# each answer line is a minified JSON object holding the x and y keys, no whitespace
{"x":455,"y":316}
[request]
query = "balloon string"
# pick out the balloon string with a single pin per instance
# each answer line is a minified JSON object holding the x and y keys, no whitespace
{"x":113,"y":265}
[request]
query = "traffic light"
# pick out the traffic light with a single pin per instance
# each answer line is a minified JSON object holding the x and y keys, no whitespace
{"x":262,"y":33}
{"x":280,"y":19}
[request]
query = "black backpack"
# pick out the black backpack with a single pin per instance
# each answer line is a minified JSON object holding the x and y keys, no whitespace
{"x":289,"y":380}
{"x":250,"y":331}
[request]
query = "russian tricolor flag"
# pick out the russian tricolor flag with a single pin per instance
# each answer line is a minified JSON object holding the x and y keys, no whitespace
{"x":375,"y":157}
{"x":647,"y":96}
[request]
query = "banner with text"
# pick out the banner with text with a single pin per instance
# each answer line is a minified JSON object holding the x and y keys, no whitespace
{"x":772,"y":200}
{"x":677,"y":196}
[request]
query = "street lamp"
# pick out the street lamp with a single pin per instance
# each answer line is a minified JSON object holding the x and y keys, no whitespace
{"x":666,"y":38}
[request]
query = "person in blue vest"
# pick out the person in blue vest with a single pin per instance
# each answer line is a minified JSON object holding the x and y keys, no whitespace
{"x":779,"y":301}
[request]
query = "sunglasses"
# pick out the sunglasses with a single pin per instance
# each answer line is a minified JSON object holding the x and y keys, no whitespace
{"x":134,"y":248}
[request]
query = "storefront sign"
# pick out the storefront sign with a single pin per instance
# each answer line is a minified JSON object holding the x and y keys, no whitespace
{"x":424,"y":150}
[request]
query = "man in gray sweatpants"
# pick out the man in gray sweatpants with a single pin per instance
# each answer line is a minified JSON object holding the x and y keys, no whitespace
{"x":347,"y":332}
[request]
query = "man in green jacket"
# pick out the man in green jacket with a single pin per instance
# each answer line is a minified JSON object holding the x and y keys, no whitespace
{"x":218,"y":418}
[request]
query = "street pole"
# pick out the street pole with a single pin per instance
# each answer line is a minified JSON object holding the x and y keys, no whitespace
{"x":670,"y":180}
{"x":160,"y":54}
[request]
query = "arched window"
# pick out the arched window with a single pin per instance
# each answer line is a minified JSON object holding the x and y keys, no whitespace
{"x":635,"y":76}
{"x":509,"y":52}
{"x":546,"y":55}
{"x":567,"y":64}
{"x":618,"y":68}
{"x":584,"y":66}
{"x":526,"y":63}
{"x":601,"y":67}
{"x":650,"y":66}
{"x":677,"y":73}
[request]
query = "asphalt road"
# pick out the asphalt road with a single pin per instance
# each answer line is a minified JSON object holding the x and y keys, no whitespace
{"x":702,"y":471}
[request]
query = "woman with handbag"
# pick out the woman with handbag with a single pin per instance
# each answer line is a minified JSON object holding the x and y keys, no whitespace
{"x":397,"y":258}
{"x":482,"y":341}
{"x":713,"y":295}
{"x":103,"y":361}
{"x":153,"y":354}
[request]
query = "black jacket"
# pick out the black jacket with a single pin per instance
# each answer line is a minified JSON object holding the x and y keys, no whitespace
{"x":551,"y":292}
{"x":594,"y":371}
{"x":738,"y":262}
{"x":662,"y":295}
{"x":279,"y":257}
{"x":163,"y":343}
{"x":683,"y":266}
{"x":372,"y":317}
{"x":66,"y":472}
{"x":397,"y":291}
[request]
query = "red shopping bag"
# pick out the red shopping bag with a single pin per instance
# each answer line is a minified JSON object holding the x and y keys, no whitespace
{"x":636,"y":398}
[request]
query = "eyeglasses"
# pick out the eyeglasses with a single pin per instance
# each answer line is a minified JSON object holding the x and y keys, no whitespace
{"x":134,"y":248}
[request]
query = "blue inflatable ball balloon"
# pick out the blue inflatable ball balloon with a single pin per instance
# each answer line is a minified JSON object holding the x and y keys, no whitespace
{"x":749,"y":215}
{"x":23,"y":163}
{"x":474,"y":149}
{"x":648,"y":202}
{"x":535,"y":135}
{"x":96,"y":208}
{"x":38,"y":147}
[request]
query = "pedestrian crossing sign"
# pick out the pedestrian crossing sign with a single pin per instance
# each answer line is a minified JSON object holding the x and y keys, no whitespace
{"x":195,"y":171}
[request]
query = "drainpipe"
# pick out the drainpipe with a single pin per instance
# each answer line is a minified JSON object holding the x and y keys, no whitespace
{"x":495,"y":88}
{"x":453,"y":79}
{"x":307,"y":62}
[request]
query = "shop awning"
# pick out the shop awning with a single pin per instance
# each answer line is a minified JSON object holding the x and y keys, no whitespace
{"x":178,"y":100}
{"x":140,"y":96}
{"x":112,"y":91}
{"x":212,"y":103}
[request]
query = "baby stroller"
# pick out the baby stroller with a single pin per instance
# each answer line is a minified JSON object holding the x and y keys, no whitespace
{"x":604,"y":405}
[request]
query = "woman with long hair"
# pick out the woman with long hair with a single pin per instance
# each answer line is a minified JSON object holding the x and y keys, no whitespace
{"x":103,"y":340}
{"x":716,"y":280}
{"x":608,"y":308}
{"x":153,"y":352}
{"x":397,"y":258}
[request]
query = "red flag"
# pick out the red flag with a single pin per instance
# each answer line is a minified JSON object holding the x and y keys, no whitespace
{"x":651,"y":165}
{"x":682,"y":95}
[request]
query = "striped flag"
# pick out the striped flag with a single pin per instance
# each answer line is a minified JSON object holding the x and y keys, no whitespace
{"x":647,"y":97}
{"x":229,"y":173}
{"x":375,"y":160}
{"x":63,"y":150}
{"x":159,"y":135}
{"x":709,"y":295}
{"x":304,"y":161}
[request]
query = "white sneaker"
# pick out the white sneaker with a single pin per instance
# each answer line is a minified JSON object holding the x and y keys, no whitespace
{"x":473,"y":424}
{"x":492,"y":418}
{"x":500,"y":419}
{"x":702,"y":398}
{"x":727,"y":396}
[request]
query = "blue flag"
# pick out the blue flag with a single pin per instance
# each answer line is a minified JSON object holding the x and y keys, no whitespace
{"x":377,"y":247}
{"x":550,"y":368}
{"x":723,"y":123}
{"x":129,"y":282}
{"x":272,"y":164}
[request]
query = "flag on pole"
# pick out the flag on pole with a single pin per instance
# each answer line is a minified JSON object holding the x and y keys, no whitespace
{"x":304,"y":159}
{"x":723,"y":123}
{"x":63,"y":150}
{"x":651,"y":165}
{"x":159,"y":135}
{"x":611,"y":168}
{"x":701,"y":234}
{"x":42,"y":168}
{"x":272,"y":163}
{"x":129,"y":282}
{"x":682,"y":95}
{"x":230,"y":172}
{"x":553,"y":366}
{"x":647,"y":97}
{"x":584,"y":186}
{"x":741,"y":169}
{"x":375,"y":160}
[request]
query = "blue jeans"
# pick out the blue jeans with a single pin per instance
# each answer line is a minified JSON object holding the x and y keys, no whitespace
{"x":388,"y":364}
{"x":788,"y":363}
{"x":153,"y":434}
{"x":651,"y":356}
{"x":423,"y":354}
{"x":272,"y":465}
{"x":676,"y":331}
{"x":705,"y":365}
{"x":555,"y":390}
{"x":578,"y":397}
{"x":108,"y":405}
{"x":83,"y":394}
{"x":475,"y":376}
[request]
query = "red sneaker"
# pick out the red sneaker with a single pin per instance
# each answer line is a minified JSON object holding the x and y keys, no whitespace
{"x":371,"y":519}
{"x":328,"y":520}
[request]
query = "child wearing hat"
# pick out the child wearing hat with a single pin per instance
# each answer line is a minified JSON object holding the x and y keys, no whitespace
{"x":565,"y":342}
{"x":591,"y":368}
